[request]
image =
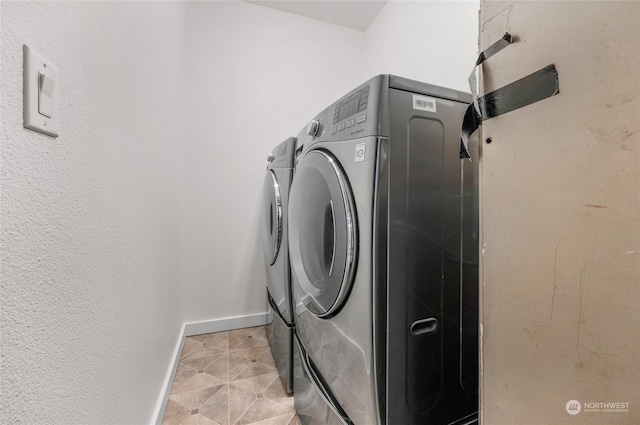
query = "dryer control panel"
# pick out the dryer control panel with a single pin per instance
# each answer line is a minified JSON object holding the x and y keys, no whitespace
{"x":355,"y":115}
{"x":364,"y":111}
{"x":351,"y":106}
{"x":350,"y":114}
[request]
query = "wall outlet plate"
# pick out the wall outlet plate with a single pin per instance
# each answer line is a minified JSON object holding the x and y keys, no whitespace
{"x":41,"y":84}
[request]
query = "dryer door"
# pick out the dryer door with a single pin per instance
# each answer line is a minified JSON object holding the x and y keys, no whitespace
{"x":271,"y":218}
{"x":322,"y":233}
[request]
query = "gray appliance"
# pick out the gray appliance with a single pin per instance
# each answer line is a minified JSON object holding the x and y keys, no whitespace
{"x":277,"y":182}
{"x":383,"y":237}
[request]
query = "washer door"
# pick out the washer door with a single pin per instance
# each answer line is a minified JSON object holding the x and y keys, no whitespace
{"x":322,"y":233}
{"x":271,"y":218}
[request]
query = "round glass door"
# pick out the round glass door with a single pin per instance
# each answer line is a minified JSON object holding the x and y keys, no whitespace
{"x":322,"y":233}
{"x":271,"y":218}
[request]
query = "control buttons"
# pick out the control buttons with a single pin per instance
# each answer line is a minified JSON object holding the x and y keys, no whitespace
{"x":364,"y":98}
{"x":348,"y":108}
{"x":313,"y":128}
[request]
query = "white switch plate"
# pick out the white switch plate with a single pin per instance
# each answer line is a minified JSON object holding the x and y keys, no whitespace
{"x":35,"y":65}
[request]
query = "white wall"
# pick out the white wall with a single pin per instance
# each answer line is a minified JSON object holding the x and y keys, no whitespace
{"x":431,"y":41}
{"x":255,"y":77}
{"x":89,"y":236}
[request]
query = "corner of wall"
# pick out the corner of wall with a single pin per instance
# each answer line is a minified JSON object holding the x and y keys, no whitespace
{"x":199,"y":328}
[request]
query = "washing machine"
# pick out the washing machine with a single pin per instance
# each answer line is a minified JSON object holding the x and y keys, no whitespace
{"x":383,"y":238}
{"x":277,"y":182}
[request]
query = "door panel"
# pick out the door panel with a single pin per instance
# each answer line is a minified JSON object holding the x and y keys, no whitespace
{"x":314,"y":404}
{"x":322,"y":233}
{"x":271,"y":218}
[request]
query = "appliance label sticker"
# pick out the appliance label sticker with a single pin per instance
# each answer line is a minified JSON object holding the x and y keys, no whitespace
{"x":360,"y":152}
{"x":424,"y":103}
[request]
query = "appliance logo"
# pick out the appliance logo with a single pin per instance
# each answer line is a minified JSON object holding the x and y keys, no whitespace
{"x":360,"y":152}
{"x":573,"y":407}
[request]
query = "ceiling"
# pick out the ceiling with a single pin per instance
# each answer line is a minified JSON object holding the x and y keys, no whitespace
{"x":356,"y":14}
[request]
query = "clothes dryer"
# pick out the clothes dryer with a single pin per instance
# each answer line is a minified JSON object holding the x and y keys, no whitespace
{"x":383,"y":232}
{"x":277,"y":183}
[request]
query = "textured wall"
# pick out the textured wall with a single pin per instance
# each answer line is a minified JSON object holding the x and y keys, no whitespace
{"x":561,"y":217}
{"x":143,"y":214}
{"x":89,"y":235}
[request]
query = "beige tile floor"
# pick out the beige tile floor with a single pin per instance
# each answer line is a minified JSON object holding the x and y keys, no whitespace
{"x":228,"y":378}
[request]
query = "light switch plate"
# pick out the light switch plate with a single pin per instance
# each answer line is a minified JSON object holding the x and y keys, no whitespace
{"x":36,"y":93}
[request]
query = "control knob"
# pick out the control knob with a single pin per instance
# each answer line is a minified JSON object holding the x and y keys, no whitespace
{"x":313,"y":128}
{"x":270,"y":157}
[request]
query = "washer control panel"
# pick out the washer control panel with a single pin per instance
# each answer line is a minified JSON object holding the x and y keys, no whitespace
{"x":282,"y":155}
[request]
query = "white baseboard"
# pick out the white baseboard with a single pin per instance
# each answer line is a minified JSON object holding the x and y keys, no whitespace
{"x":161,"y":406}
{"x":228,"y":323}
{"x":199,"y":328}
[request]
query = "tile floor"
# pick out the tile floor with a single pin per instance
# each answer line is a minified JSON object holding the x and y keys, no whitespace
{"x":229,"y":378}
